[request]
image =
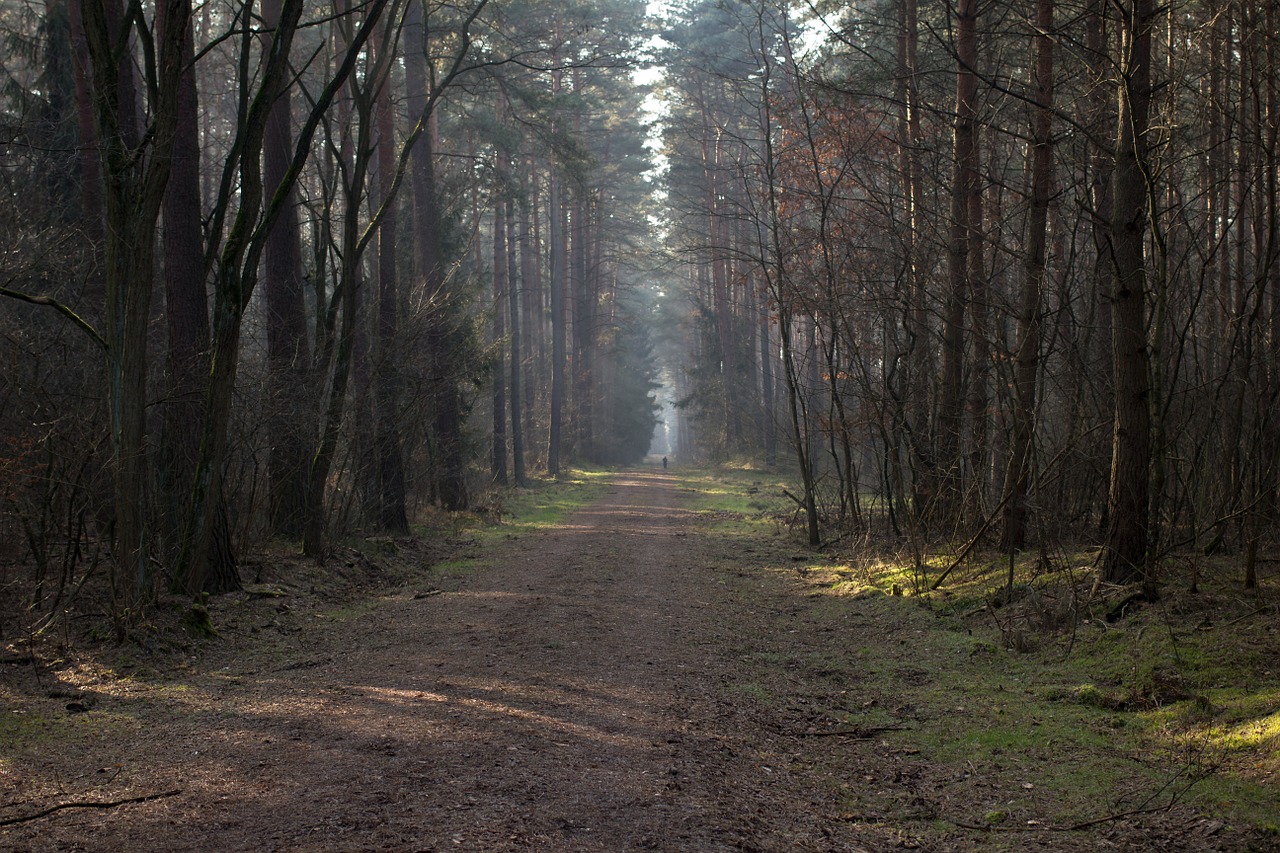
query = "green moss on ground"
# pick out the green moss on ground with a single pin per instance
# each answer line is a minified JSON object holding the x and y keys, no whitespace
{"x":1049,"y":702}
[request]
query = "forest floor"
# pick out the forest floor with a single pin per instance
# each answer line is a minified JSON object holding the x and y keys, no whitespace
{"x":643,"y":674}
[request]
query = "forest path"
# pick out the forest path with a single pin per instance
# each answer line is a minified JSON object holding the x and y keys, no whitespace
{"x":592,"y":687}
{"x":640,"y":676}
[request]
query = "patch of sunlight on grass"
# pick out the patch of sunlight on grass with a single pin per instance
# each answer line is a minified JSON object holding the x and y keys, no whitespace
{"x":745,"y":492}
{"x":1226,"y":722}
{"x":1253,"y":734}
{"x":547,"y":503}
{"x":1241,"y":704}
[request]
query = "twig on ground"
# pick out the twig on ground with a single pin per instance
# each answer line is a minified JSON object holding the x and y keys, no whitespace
{"x":109,"y":804}
{"x":860,"y":734}
{"x":1086,"y":824}
{"x":1117,"y":816}
{"x":1263,"y":609}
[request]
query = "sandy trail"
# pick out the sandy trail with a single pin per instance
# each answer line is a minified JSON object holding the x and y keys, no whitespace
{"x":574,"y":694}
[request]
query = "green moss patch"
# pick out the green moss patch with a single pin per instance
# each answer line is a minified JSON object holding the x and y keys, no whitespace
{"x":1022,"y":696}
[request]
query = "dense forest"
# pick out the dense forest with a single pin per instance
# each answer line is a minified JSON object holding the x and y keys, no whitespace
{"x":997,"y":272}
{"x":1000,"y":272}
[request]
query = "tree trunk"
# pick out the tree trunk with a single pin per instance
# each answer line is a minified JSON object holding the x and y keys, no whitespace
{"x":392,"y":515}
{"x":135,"y":173}
{"x":235,"y":273}
{"x":87,"y":132}
{"x":498,"y":460}
{"x":517,"y":365}
{"x":288,"y":358}
{"x":443,"y":307}
{"x":1125,"y":556}
{"x":187,"y":321}
{"x":951,"y":399}
{"x":583,"y":327}
{"x":1018,"y":475}
{"x":531,"y":289}
{"x":767,"y":383}
{"x":556,"y":237}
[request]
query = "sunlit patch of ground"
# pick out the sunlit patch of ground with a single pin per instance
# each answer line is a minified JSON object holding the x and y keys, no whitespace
{"x":671,"y":668}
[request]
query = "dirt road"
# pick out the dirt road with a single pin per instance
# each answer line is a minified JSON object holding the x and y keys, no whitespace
{"x":577,"y":693}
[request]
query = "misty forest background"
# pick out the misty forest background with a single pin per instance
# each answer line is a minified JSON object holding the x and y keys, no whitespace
{"x":984,"y":270}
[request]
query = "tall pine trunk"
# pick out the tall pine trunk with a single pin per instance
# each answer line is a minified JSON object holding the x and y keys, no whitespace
{"x":556,"y":238}
{"x":517,"y":365}
{"x":498,"y":459}
{"x":951,"y":395}
{"x":1125,"y":555}
{"x":392,"y":515}
{"x":1018,"y":476}
{"x":187,"y":323}
{"x":442,"y":323}
{"x":288,"y":356}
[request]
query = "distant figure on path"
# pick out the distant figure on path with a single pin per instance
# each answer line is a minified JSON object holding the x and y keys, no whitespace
{"x":664,"y":463}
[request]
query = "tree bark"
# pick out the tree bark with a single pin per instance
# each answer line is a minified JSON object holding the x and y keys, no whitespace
{"x":135,"y":174}
{"x":517,"y":365}
{"x":1125,"y":556}
{"x":449,"y":447}
{"x":289,"y":418}
{"x":951,"y":399}
{"x":557,"y":239}
{"x":1018,"y":475}
{"x":392,"y":515}
{"x":187,"y":322}
{"x":90,"y":171}
{"x":498,"y":460}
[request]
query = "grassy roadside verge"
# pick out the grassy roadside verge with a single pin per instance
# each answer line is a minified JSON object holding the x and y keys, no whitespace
{"x":1011,"y":713}
{"x":543,"y":504}
{"x":508,"y":513}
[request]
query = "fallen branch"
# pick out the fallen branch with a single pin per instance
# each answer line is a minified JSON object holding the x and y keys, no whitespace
{"x":1143,"y":809}
{"x":1118,"y":816}
{"x":1263,"y":609}
{"x":109,"y":804}
{"x":860,"y":734}
{"x":1075,"y":827}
